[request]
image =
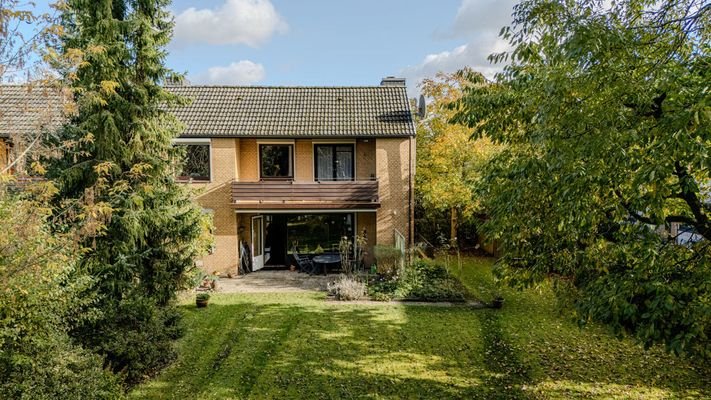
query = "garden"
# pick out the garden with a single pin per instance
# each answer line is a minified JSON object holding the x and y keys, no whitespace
{"x":392,"y":278}
{"x":296,"y":345}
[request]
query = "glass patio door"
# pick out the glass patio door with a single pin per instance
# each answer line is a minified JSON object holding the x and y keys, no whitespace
{"x":257,"y":243}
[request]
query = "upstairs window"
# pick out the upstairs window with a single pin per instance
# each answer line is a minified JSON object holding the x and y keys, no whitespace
{"x":334,"y":162}
{"x":196,"y":161}
{"x":276,"y":161}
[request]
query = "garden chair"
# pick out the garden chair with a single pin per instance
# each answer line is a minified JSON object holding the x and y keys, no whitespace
{"x":303,"y":262}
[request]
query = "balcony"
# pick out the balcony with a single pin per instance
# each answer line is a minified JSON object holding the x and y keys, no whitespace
{"x":286,"y":195}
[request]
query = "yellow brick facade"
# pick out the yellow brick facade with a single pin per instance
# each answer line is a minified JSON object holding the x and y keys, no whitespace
{"x":365,"y":159}
{"x":395,"y":169}
{"x":303,"y":160}
{"x":388,"y":160}
{"x":249,"y":160}
{"x":3,"y":154}
{"x":215,"y":196}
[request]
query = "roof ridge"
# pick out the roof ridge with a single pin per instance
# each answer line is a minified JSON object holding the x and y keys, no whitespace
{"x":39,"y":85}
{"x":284,"y":87}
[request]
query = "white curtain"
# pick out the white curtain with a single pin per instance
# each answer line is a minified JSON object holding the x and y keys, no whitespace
{"x":324,"y":163}
{"x":344,"y":163}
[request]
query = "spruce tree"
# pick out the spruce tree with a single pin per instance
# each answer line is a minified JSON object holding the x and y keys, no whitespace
{"x":119,"y":162}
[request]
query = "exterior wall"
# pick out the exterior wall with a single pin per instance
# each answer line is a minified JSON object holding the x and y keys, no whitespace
{"x":216,"y":196}
{"x":303,"y":160}
{"x":394,"y":170}
{"x":365,"y":159}
{"x":249,"y":160}
{"x":387,"y":159}
{"x":238,"y":157}
{"x":3,"y":154}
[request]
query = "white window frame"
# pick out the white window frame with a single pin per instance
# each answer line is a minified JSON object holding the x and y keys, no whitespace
{"x":207,"y":141}
{"x":291,"y":142}
{"x":334,"y":142}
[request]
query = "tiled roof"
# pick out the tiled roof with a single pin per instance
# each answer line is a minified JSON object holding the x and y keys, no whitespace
{"x":232,"y":111}
{"x":26,"y":109}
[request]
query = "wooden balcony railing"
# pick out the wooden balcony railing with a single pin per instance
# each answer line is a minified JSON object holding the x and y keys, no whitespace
{"x":305,"y":195}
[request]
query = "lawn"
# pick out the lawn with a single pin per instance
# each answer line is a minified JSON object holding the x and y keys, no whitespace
{"x":300,"y":346}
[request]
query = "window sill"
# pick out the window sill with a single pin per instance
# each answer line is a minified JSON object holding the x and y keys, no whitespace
{"x":289,"y":178}
{"x":179,"y":180}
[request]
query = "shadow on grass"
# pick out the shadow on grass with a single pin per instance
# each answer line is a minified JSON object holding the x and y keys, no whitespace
{"x":298,"y":346}
{"x":538,"y":348}
{"x":275,"y":350}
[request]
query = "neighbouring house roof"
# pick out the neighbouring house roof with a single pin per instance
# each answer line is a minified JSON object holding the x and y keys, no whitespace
{"x":242,"y":111}
{"x":263,"y":111}
{"x":26,"y":109}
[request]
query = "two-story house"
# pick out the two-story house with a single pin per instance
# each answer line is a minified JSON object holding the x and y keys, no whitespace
{"x":279,"y":167}
{"x":304,"y":166}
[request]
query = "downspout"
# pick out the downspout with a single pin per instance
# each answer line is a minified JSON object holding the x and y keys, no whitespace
{"x":411,"y":197}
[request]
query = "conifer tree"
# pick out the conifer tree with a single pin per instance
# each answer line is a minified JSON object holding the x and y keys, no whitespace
{"x":120,"y":162}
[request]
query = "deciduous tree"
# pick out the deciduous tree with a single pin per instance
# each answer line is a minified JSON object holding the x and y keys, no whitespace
{"x":606,"y":113}
{"x":448,"y":161}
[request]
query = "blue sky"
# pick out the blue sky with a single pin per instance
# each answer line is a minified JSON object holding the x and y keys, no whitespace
{"x":328,"y":42}
{"x":332,"y":42}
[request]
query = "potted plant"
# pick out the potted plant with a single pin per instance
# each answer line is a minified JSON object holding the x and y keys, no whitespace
{"x":498,"y":301}
{"x":201,"y":300}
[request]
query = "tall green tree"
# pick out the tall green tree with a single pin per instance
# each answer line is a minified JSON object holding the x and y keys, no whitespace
{"x":120,"y":161}
{"x":448,"y":162}
{"x":606,"y":113}
{"x":41,"y":290}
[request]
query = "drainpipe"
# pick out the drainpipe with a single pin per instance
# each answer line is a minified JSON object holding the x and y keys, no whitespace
{"x":411,"y":196}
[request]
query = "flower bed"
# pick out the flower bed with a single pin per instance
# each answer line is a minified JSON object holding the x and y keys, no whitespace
{"x":419,"y":281}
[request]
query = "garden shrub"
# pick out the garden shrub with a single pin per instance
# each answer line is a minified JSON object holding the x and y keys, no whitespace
{"x":420,"y":280}
{"x":388,"y":260}
{"x":40,"y":294}
{"x":347,"y":288}
{"x":430,"y":281}
{"x":48,"y":366}
{"x":381,"y":296}
{"x":137,"y":337}
{"x":382,"y":288}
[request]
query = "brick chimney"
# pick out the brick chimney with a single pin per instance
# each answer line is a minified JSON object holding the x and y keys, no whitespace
{"x":392,"y":81}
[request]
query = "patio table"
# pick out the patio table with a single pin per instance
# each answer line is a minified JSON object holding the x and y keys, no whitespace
{"x":325,"y":260}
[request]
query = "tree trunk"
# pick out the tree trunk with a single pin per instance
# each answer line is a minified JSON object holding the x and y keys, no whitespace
{"x":453,"y":227}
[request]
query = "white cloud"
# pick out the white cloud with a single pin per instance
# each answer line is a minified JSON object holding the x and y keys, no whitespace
{"x":475,"y":17}
{"x":472,"y":54}
{"x":477,"y":23}
{"x":243,"y":72}
{"x":250,"y":22}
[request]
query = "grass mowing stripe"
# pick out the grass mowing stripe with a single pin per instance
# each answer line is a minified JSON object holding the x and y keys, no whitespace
{"x":297,"y":346}
{"x":209,"y":329}
{"x":508,"y":372}
{"x":232,"y":340}
{"x":264,"y":353}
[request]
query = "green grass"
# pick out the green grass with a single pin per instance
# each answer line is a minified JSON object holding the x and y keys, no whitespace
{"x":280,"y":346}
{"x":553,"y":358}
